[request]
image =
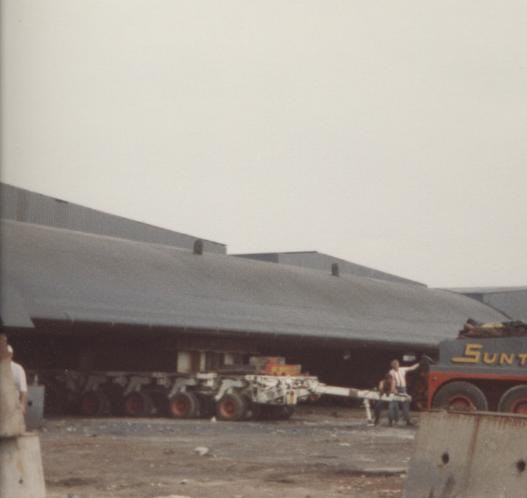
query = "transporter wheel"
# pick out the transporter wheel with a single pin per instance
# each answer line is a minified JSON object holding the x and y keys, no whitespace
{"x":255,"y":411}
{"x":159,"y":401}
{"x":207,"y":405}
{"x":94,"y":404}
{"x":281,"y":412}
{"x":137,"y":404}
{"x":514,"y":400}
{"x":231,"y":407}
{"x":55,"y":400}
{"x":184,"y":405}
{"x":276,"y":412}
{"x":115,"y":398}
{"x":286,"y":412}
{"x":460,"y":396}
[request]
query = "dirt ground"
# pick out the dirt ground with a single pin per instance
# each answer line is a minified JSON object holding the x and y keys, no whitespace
{"x":320,"y":452}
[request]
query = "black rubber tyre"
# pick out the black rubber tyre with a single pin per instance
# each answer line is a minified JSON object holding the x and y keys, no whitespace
{"x":282,"y":412}
{"x":276,"y":412}
{"x":184,"y":405}
{"x":137,"y":404}
{"x":159,"y":402}
{"x":115,"y":399}
{"x":514,"y":400}
{"x":264,"y":412}
{"x":55,"y":401}
{"x":231,"y":407}
{"x":207,"y":406}
{"x":94,"y":404}
{"x":460,"y":396}
{"x":255,"y":412}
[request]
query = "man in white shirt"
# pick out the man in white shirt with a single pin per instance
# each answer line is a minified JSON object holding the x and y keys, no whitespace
{"x":399,"y":375}
{"x":19,"y":376}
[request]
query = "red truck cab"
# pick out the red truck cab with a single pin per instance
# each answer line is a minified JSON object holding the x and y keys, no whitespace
{"x":485,"y":371}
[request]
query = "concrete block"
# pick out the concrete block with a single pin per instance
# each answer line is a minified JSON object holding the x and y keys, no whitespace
{"x":469,"y":455}
{"x":21,"y":473}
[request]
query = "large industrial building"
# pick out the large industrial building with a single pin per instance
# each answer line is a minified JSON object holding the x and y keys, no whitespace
{"x":511,"y":301}
{"x":83,"y":289}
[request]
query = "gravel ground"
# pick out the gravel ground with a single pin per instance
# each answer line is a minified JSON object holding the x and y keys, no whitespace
{"x":320,"y":452}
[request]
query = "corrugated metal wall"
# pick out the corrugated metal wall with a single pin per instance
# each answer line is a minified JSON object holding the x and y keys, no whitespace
{"x":267,"y":257}
{"x":22,"y":205}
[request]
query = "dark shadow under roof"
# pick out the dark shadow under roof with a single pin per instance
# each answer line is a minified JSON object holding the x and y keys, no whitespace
{"x":66,"y":275}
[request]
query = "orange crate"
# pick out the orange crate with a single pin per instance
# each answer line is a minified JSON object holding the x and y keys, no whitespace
{"x":274,"y":369}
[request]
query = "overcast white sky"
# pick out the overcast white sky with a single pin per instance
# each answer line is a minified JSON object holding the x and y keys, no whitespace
{"x":390,"y":133}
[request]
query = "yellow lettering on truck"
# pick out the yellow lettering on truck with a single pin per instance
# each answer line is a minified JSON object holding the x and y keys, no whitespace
{"x":472,"y":354}
{"x":506,"y":359}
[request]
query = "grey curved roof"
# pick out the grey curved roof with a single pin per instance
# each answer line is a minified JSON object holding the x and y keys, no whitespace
{"x":62,"y":274}
{"x":320,"y":261}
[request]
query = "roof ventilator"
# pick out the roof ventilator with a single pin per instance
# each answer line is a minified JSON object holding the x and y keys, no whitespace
{"x":198,"y":247}
{"x":335,"y":271}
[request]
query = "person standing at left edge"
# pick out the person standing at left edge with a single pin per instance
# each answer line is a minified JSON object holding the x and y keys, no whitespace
{"x":19,"y":376}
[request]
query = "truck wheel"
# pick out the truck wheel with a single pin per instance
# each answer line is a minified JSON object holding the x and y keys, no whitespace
{"x":184,"y":405}
{"x":460,"y":396}
{"x":137,"y":404}
{"x":94,"y":404}
{"x":231,"y":407}
{"x":514,"y":400}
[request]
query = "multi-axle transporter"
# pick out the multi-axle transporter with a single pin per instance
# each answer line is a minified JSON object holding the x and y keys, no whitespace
{"x":226,"y":396}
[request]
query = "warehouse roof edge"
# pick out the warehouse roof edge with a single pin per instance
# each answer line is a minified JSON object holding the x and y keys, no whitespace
{"x":61,"y":274}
